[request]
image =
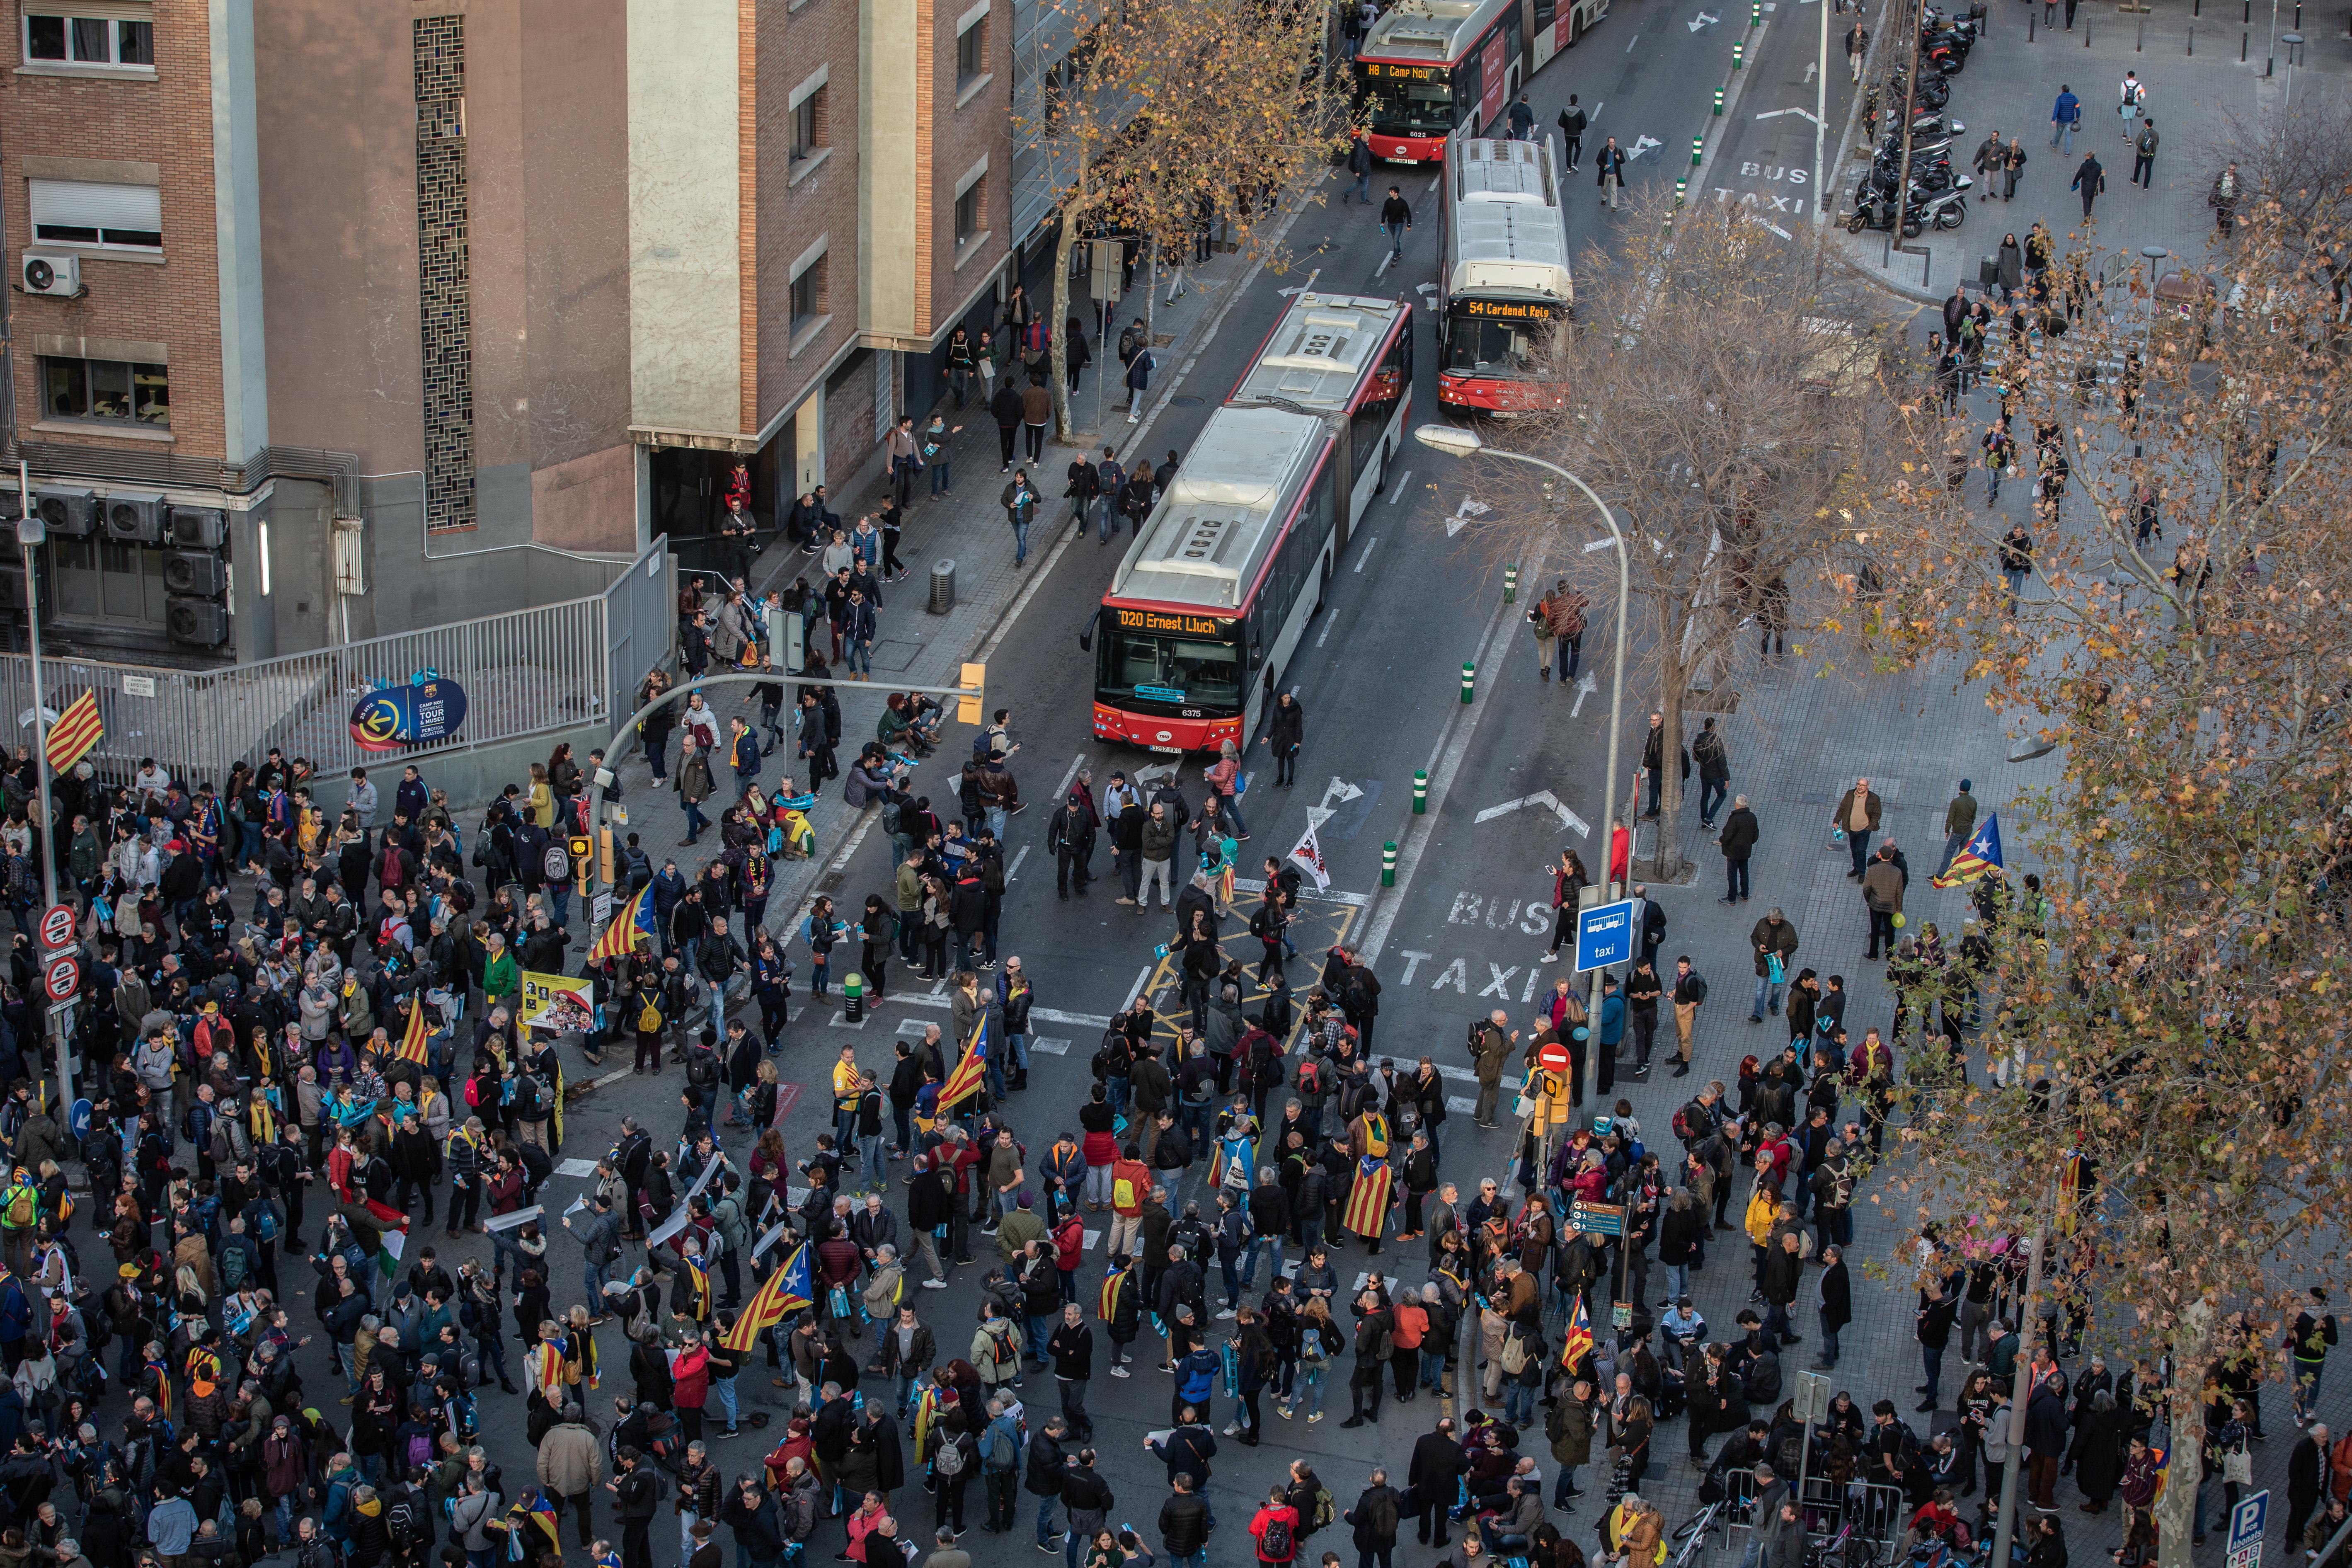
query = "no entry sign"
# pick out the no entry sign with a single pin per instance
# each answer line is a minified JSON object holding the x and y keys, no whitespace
{"x":57,"y":926}
{"x":61,"y":976}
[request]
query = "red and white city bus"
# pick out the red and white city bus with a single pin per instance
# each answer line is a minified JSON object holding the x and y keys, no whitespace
{"x":1210,"y":601}
{"x":1506,"y":283}
{"x":1429,"y":68}
{"x":1348,"y":358}
{"x":1555,"y":25}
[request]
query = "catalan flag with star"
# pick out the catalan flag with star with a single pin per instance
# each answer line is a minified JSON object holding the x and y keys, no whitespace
{"x":635,"y":925}
{"x":971,"y":1073}
{"x":75,"y":731}
{"x":1580,"y":1337}
{"x":1978,"y":858}
{"x":1367,"y":1199}
{"x":784,"y":1291}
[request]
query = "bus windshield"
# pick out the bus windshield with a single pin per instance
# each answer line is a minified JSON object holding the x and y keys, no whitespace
{"x":1491,"y":338}
{"x":1409,"y":107}
{"x":1180,"y":672}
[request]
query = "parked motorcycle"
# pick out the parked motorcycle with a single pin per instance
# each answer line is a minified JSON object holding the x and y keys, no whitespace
{"x":1933,"y":93}
{"x":1874,"y":206}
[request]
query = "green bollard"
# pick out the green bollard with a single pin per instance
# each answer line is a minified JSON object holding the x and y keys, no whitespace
{"x":1680,"y":186}
{"x":1510,"y":584}
{"x":1697,"y":142}
{"x":1755,"y":13}
{"x":1420,"y":792}
{"x":1388,"y":864}
{"x":852,"y":998}
{"x":1736,"y":52}
{"x":1718,"y":101}
{"x":1469,"y":678}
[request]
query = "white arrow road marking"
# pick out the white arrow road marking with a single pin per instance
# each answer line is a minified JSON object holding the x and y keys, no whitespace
{"x":1599,"y":545}
{"x":1424,"y":287}
{"x":1704,"y":21}
{"x":1775,"y":228}
{"x":1301,"y":287}
{"x":1584,"y":688}
{"x":1641,"y":145}
{"x":1342,"y":791}
{"x":1050,"y":1047}
{"x":1799,"y":113}
{"x":1153,"y":771}
{"x":1811,"y":67}
{"x":1463,"y":514}
{"x":1549,"y":801}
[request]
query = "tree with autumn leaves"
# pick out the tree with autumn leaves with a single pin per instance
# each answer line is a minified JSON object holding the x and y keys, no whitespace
{"x":1176,"y":110}
{"x":2183,"y":653}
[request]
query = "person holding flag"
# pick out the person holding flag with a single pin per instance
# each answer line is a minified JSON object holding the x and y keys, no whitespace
{"x":1978,"y":858}
{"x":970,"y":1074}
{"x":635,"y":925}
{"x":1233,"y":1162}
{"x":1119,"y":1307}
{"x":1366,"y":1211}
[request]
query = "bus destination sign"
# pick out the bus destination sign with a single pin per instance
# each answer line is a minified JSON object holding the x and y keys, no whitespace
{"x":1165,"y":621}
{"x":1506,"y":310}
{"x":1377,"y":69}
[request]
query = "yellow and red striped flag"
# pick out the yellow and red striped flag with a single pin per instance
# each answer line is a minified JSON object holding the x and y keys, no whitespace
{"x":78,"y":729}
{"x":970,"y":1074}
{"x":412,"y":1042}
{"x":635,"y":925}
{"x":1580,"y":1337}
{"x":786,"y":1290}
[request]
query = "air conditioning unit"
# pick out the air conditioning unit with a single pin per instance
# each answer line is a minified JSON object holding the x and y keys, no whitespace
{"x":73,"y":514}
{"x":198,"y":621}
{"x":198,"y":527}
{"x":51,"y":272}
{"x":195,"y":572}
{"x":133,"y":517}
{"x":12,"y":592}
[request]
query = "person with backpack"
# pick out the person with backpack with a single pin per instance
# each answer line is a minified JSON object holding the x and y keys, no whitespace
{"x":1275,"y":1530}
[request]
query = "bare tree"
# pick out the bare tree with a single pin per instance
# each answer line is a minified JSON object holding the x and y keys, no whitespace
{"x":2294,"y":157}
{"x":1175,"y":109}
{"x":1719,"y":400}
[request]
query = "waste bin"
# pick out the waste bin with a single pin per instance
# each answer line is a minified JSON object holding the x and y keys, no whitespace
{"x":942,"y":598}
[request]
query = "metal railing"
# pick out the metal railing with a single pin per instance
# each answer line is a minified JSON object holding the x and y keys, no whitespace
{"x":525,"y":672}
{"x":1877,"y":1513}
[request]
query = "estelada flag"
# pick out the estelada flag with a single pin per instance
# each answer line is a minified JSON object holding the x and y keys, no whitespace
{"x":1580,"y":1337}
{"x":1978,"y":858}
{"x":784,"y":1291}
{"x":971,"y":1071}
{"x":77,"y":730}
{"x":1367,"y":1199}
{"x":412,"y":1040}
{"x":1106,"y":1303}
{"x":636,"y":925}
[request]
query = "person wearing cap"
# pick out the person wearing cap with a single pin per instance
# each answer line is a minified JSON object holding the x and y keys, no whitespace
{"x":1019,"y":1228}
{"x":1070,"y":836}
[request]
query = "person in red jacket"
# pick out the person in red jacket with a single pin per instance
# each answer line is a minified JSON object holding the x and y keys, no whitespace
{"x":690,"y":1384}
{"x":1276,"y":1530}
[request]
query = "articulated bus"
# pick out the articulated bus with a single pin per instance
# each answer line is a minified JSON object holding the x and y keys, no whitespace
{"x":1504,"y":240}
{"x":1210,"y":601}
{"x":1431,"y":68}
{"x":1348,"y":358}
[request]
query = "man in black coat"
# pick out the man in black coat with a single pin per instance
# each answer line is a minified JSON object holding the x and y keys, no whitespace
{"x":1434,"y":1477}
{"x":1836,"y":1305}
{"x":1738,"y":840}
{"x":2307,"y":1467}
{"x":1375,"y":1517}
{"x":1042,"y":1480}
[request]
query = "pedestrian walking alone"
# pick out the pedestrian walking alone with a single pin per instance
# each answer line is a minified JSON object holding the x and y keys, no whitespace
{"x":1572,"y":121}
{"x":2144,"y":156}
{"x":1359,"y":164}
{"x":2064,"y":115}
{"x":2015,"y":171}
{"x":1005,"y":408}
{"x":1857,"y":46}
{"x":1396,"y":222}
{"x":1037,"y":409}
{"x":1999,"y":452}
{"x":1020,"y":510}
{"x":1611,"y":163}
{"x":2090,"y":180}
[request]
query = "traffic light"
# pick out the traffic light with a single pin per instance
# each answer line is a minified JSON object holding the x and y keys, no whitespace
{"x":974,"y":680}
{"x":604,"y":857}
{"x":581,"y":865}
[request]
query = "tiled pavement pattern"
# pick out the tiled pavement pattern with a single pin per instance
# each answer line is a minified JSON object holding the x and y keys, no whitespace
{"x":2010,"y":85}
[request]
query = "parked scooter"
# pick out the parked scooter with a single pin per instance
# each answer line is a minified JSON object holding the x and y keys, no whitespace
{"x":1874,"y":206}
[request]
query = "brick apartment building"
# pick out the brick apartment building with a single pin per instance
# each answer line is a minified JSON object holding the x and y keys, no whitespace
{"x":327,"y":321}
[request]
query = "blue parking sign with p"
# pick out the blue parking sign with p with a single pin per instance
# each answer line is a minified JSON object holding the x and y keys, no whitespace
{"x":2246,"y":1524}
{"x":1605,"y":932}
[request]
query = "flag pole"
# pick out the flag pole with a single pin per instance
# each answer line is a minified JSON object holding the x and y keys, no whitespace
{"x":30,"y":532}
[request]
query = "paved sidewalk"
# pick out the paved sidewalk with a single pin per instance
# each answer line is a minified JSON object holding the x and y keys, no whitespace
{"x":2009,"y":85}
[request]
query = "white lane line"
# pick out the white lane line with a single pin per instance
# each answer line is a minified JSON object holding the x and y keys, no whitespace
{"x":1328,"y":620}
{"x":1396,"y":488}
{"x":1629,"y":49}
{"x":1366,"y":552}
{"x":1445,"y":761}
{"x":1381,"y":270}
{"x":1052,"y":1047}
{"x":1075,"y":1020}
{"x":1331,"y":895}
{"x":1075,"y":763}
{"x":1433,"y":184}
{"x":1136,"y":990}
{"x":1015,"y":874}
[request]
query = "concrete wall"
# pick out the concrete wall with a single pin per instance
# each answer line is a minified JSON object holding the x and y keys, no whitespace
{"x":684,"y":304}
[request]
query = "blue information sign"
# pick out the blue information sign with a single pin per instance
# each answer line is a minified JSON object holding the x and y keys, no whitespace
{"x":2246,"y":1524}
{"x":1605,"y":932}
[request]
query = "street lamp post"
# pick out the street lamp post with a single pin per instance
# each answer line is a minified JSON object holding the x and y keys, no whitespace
{"x":30,"y":532}
{"x":1463,"y":442}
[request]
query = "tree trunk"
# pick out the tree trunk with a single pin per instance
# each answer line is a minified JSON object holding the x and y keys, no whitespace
{"x":2176,"y":1510}
{"x":1674,"y":676}
{"x":1057,"y":357}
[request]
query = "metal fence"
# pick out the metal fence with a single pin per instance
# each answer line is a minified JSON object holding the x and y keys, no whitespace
{"x":641,"y":625}
{"x":1868,"y":1511}
{"x":525,"y":672}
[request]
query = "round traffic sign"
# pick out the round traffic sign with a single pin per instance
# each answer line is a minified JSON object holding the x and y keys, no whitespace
{"x":57,"y":926}
{"x":61,"y":977}
{"x":1553,"y":1058}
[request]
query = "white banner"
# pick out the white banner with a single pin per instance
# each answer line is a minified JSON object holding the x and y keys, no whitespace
{"x":509,"y":1221}
{"x":1308,"y":856}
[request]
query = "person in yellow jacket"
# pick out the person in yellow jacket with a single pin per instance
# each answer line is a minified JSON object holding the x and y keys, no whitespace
{"x":1636,"y":1535}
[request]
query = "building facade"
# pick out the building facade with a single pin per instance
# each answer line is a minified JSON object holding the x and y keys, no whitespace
{"x":333,"y":321}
